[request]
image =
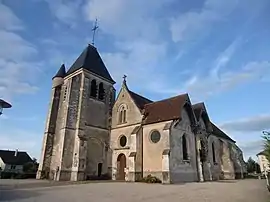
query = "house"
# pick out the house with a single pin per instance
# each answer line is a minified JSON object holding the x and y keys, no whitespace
{"x":263,"y":162}
{"x":13,"y":161}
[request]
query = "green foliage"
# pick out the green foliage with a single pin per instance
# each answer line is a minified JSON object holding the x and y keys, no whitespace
{"x":150,"y":179}
{"x":30,"y":167}
{"x":252,"y":166}
{"x":266,"y":138}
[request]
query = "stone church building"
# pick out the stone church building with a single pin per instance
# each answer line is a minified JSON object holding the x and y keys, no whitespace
{"x":91,"y":133}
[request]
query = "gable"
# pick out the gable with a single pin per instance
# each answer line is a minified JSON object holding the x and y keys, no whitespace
{"x":133,"y":112}
{"x":202,"y":123}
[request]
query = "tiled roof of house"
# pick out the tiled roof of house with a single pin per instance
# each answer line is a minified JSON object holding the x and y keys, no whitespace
{"x":164,"y":110}
{"x":219,"y":133}
{"x":91,"y":61}
{"x":8,"y":157}
{"x":139,"y":100}
{"x":261,"y":153}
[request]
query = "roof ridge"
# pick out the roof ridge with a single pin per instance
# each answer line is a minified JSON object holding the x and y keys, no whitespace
{"x":138,"y":99}
{"x":199,"y":103}
{"x":227,"y":136}
{"x":166,"y":99}
{"x":141,"y":96}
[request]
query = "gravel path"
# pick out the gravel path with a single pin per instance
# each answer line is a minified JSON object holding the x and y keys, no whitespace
{"x":222,"y":191}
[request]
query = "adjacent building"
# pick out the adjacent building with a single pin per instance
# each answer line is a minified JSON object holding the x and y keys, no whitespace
{"x":13,"y":161}
{"x":263,"y":162}
{"x":90,"y":132}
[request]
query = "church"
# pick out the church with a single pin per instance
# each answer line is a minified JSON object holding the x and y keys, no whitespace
{"x":91,"y":133}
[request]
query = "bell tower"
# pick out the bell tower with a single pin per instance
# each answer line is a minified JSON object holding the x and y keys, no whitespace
{"x":82,"y":128}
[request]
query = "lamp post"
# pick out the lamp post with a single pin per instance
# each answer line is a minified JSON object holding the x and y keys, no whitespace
{"x":4,"y":104}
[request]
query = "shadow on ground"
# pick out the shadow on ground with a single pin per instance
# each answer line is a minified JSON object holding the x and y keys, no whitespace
{"x":11,"y":195}
{"x":226,"y":181}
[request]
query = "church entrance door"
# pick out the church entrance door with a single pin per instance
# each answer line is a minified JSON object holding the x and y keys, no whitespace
{"x":121,"y":165}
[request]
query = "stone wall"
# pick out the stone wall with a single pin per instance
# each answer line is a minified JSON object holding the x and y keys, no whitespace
{"x":153,"y":152}
{"x":223,"y":168}
{"x":182,"y":170}
{"x":48,"y":139}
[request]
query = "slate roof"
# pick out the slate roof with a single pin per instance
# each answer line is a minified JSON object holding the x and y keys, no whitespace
{"x":5,"y":104}
{"x":197,"y":108}
{"x":61,"y":72}
{"x":91,"y":61}
{"x":139,"y":100}
{"x":8,"y":157}
{"x":165,"y":110}
{"x":219,"y":133}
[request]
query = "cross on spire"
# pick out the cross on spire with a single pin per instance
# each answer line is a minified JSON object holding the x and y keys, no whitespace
{"x":94,"y":29}
{"x":124,"y":80}
{"x":124,"y":77}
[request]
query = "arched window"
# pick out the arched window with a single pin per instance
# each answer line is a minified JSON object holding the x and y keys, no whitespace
{"x":101,"y":91}
{"x":213,"y":152}
{"x":122,"y":115}
{"x":93,"y":91}
{"x":184,"y":147}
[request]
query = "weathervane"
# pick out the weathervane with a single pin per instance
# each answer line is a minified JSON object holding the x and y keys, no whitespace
{"x":94,"y":29}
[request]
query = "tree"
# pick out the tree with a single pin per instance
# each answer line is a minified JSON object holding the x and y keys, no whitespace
{"x":266,"y":138}
{"x":31,"y":167}
{"x":252,"y":166}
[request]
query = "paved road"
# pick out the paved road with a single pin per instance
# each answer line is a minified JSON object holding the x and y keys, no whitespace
{"x":223,"y":191}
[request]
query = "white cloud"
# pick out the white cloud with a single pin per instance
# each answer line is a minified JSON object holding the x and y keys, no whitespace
{"x":251,"y":148}
{"x":13,"y":46}
{"x":137,"y":33}
{"x":16,"y":64}
{"x":252,"y":124}
{"x":186,"y":25}
{"x":210,"y":84}
{"x":66,"y":11}
{"x":8,"y":20}
{"x":127,"y":19}
{"x":21,"y":140}
{"x":138,"y":60}
{"x":225,"y":57}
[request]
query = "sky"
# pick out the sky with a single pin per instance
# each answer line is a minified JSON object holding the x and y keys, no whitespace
{"x":217,"y":51}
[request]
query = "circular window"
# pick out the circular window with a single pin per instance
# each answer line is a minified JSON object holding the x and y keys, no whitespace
{"x":123,"y":141}
{"x":155,"y":136}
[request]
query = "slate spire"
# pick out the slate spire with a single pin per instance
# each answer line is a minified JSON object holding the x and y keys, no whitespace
{"x":90,"y":60}
{"x":61,"y":72}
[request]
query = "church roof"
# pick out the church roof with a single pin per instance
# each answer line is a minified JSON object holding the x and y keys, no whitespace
{"x":219,"y":133}
{"x":61,"y":72}
{"x":197,"y":108}
{"x":165,"y":110}
{"x":139,"y":100}
{"x":8,"y":157}
{"x":91,"y":61}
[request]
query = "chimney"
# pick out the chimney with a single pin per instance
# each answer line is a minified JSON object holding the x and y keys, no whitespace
{"x":16,"y":152}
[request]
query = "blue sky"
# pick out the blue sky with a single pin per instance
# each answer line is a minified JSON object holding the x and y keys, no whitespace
{"x":217,"y":51}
